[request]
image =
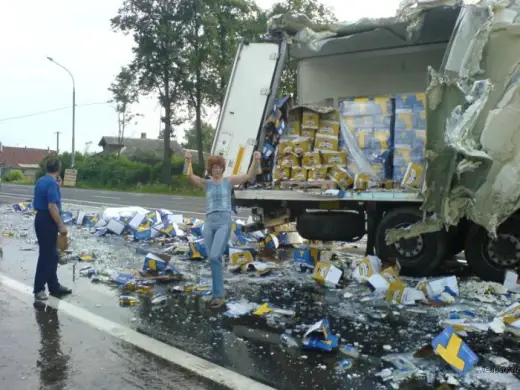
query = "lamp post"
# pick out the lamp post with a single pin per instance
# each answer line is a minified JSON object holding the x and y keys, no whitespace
{"x":73,"y":110}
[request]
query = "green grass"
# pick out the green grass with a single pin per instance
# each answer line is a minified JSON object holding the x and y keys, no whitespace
{"x":21,"y":182}
{"x":162,"y":189}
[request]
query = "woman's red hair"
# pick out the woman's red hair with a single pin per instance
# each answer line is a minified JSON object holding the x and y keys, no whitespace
{"x":216,"y":160}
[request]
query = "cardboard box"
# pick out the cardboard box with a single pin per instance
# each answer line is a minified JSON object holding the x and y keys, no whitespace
{"x":329,"y":128}
{"x":511,"y":315}
{"x":327,"y":274}
{"x":512,"y":282}
{"x":380,"y":282}
{"x":285,"y":146}
{"x":341,"y":177}
{"x":299,"y":173}
{"x":454,"y":351}
{"x":301,"y":145}
{"x":197,"y":250}
{"x":311,"y":159}
{"x":363,"y":181}
{"x":319,"y":336}
{"x":158,"y":265}
{"x":334,"y":158}
{"x":306,"y":257}
{"x":289,"y":161}
{"x":413,"y":176}
{"x":308,"y":133}
{"x":369,"y":266}
{"x":240,"y":257}
{"x":310,"y":120}
{"x":318,"y":173}
{"x":326,"y":142}
{"x":280,"y":173}
{"x":295,"y":128}
{"x":399,"y":294}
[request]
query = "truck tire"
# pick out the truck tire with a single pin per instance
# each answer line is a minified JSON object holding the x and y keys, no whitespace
{"x":489,"y":258}
{"x":331,"y":226}
{"x":418,"y":256}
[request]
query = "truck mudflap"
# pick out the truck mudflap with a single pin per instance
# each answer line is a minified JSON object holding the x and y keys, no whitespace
{"x":473,"y":120}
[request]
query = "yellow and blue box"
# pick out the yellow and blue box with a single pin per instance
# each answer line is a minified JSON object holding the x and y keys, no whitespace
{"x":320,"y":337}
{"x":454,"y":351}
{"x":410,"y":102}
{"x":269,"y":243}
{"x":197,"y":229}
{"x":197,"y":250}
{"x":67,"y":217}
{"x":369,"y":106}
{"x":306,"y":257}
{"x":122,"y":278}
{"x":154,"y":264}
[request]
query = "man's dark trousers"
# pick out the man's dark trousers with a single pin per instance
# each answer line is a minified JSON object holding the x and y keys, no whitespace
{"x":46,"y":270}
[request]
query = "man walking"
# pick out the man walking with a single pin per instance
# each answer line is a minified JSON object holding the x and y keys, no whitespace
{"x":48,"y":223}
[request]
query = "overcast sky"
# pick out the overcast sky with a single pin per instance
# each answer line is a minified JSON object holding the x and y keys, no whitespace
{"x":77,"y":34}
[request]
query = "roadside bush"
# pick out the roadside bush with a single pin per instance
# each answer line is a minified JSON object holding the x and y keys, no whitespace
{"x":13,"y":175}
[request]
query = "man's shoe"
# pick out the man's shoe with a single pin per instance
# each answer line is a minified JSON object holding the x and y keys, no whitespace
{"x":62,"y":290}
{"x":41,"y":296}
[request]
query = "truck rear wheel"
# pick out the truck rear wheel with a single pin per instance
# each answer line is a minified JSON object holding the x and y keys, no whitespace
{"x":331,"y":226}
{"x":418,"y":256}
{"x":490,"y":258}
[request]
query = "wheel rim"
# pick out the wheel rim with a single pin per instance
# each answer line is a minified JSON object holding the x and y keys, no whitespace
{"x":410,"y":247}
{"x":504,"y":252}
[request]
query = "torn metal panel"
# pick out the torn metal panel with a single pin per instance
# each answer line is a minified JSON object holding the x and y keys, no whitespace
{"x":473,"y":136}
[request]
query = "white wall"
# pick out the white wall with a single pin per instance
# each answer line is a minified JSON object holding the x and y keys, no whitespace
{"x":366,"y":74}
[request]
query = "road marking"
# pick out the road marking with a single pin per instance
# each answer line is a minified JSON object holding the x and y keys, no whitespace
{"x":106,"y":197}
{"x":194,"y":364}
{"x":73,"y":202}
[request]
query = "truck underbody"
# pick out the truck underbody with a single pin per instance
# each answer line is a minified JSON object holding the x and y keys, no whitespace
{"x":467,"y":60}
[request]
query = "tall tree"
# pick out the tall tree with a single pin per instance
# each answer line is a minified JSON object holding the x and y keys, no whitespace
{"x":208,"y":133}
{"x":125,"y":93}
{"x":158,"y":64}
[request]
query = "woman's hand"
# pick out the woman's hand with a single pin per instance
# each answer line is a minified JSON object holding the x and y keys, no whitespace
{"x":187,"y":155}
{"x":257,"y":156}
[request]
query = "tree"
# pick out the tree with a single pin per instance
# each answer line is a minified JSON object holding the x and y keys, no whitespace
{"x":125,"y":93}
{"x":158,"y":65}
{"x":208,"y":133}
{"x":318,"y":13}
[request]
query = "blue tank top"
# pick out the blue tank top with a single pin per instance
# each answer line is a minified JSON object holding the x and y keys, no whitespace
{"x":218,"y":196}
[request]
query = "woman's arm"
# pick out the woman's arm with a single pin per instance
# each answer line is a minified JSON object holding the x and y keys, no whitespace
{"x":250,"y":175}
{"x":193,"y":179}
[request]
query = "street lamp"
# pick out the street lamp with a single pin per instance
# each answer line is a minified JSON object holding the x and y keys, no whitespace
{"x":73,"y":109}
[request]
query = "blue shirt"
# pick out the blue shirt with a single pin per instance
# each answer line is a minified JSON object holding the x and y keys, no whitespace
{"x":46,"y":191}
{"x":218,"y":196}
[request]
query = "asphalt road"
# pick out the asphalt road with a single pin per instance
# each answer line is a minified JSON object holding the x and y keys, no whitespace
{"x":192,"y":206}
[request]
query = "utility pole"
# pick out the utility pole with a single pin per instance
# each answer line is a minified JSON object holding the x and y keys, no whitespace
{"x":58,"y":142}
{"x":73,"y":109}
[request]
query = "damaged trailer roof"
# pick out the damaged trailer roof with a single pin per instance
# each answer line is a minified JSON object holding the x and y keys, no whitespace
{"x":428,"y":26}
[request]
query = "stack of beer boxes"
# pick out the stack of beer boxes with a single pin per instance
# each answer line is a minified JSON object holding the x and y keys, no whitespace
{"x":409,"y":140}
{"x":310,"y":151}
{"x":370,"y":119}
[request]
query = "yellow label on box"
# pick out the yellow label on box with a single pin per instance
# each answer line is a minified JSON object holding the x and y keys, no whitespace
{"x":329,"y":128}
{"x":289,"y":161}
{"x":317,"y":173}
{"x":285,"y":146}
{"x":326,"y":142}
{"x":298,"y":173}
{"x":363,"y":181}
{"x":395,"y":291}
{"x":311,"y":159}
{"x":363,"y":137}
{"x":382,"y":136}
{"x":330,"y":116}
{"x":334,"y":158}
{"x":310,"y":120}
{"x":280,"y":173}
{"x":295,"y":128}
{"x":301,"y":145}
{"x":341,"y":177}
{"x":308,"y":133}
{"x":413,"y":176}
{"x":240,"y":258}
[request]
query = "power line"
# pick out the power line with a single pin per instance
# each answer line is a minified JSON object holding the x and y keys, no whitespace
{"x":48,"y":111}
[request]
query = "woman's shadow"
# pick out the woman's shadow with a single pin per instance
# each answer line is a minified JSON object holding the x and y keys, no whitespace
{"x":52,"y":362}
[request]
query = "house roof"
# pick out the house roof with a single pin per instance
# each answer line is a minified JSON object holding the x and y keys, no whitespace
{"x":144,"y":145}
{"x":22,"y":157}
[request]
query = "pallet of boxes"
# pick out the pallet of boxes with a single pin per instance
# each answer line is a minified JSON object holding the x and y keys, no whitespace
{"x":372,"y":143}
{"x":308,"y":155}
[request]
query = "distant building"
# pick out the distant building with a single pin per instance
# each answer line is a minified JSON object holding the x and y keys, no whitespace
{"x":133,"y":146}
{"x":24,"y":159}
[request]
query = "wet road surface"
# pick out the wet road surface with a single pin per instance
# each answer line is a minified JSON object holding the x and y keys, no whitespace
{"x":249,"y":346}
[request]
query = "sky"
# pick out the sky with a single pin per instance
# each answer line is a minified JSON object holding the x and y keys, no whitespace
{"x":77,"y":35}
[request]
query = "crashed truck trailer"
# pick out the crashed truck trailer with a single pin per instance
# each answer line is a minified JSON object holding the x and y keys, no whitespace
{"x":466,"y":59}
